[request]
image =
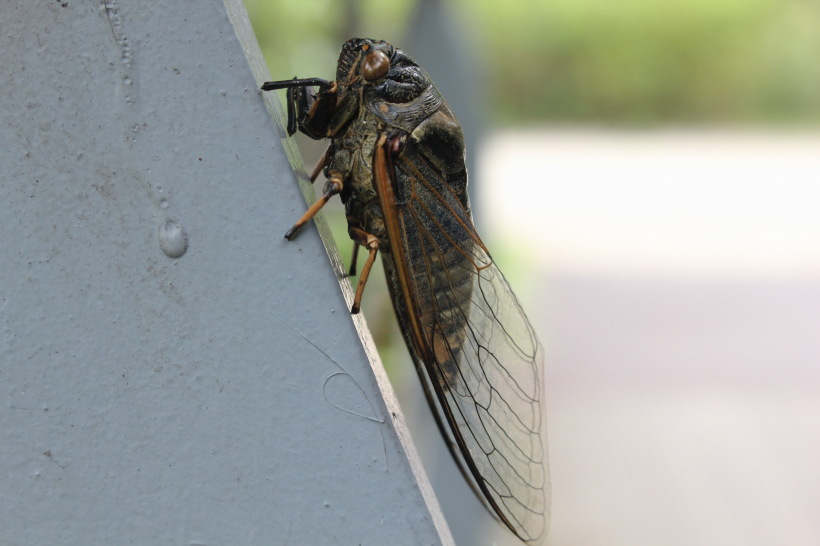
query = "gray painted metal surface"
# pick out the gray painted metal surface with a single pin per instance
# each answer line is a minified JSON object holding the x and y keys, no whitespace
{"x":171,"y":369}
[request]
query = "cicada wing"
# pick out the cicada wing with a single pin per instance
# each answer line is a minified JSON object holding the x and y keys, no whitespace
{"x":481,"y":354}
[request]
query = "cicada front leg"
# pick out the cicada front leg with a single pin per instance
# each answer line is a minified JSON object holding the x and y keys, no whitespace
{"x":308,"y":111}
{"x":311,"y":113}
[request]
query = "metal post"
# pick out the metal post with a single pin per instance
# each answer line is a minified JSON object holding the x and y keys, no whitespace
{"x":171,"y":369}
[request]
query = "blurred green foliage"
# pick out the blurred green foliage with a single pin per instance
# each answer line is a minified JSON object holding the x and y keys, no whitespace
{"x":649,"y":61}
{"x":601,"y":61}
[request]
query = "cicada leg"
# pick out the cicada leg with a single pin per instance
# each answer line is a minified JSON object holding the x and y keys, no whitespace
{"x":316,"y":114}
{"x":334,"y":186}
{"x":321,"y":164}
{"x":308,"y":111}
{"x":353,"y":260}
{"x":371,"y":243}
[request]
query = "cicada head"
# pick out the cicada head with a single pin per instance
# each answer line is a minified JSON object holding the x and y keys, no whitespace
{"x":384,"y":71}
{"x":363,"y":59}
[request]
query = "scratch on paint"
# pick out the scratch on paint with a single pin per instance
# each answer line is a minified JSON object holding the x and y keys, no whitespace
{"x":289,"y":525}
{"x":343,"y":372}
{"x":47,"y":453}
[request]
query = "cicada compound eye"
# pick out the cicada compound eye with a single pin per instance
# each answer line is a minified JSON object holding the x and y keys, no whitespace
{"x":375,"y":65}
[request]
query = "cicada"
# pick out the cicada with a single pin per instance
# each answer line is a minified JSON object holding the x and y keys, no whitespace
{"x":396,"y":159}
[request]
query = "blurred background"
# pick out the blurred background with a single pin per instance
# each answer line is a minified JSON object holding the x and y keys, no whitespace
{"x":647,"y":175}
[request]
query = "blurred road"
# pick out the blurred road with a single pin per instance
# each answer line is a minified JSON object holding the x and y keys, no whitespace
{"x":683,"y":412}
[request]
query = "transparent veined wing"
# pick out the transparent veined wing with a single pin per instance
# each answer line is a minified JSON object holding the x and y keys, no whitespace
{"x":482,"y":358}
